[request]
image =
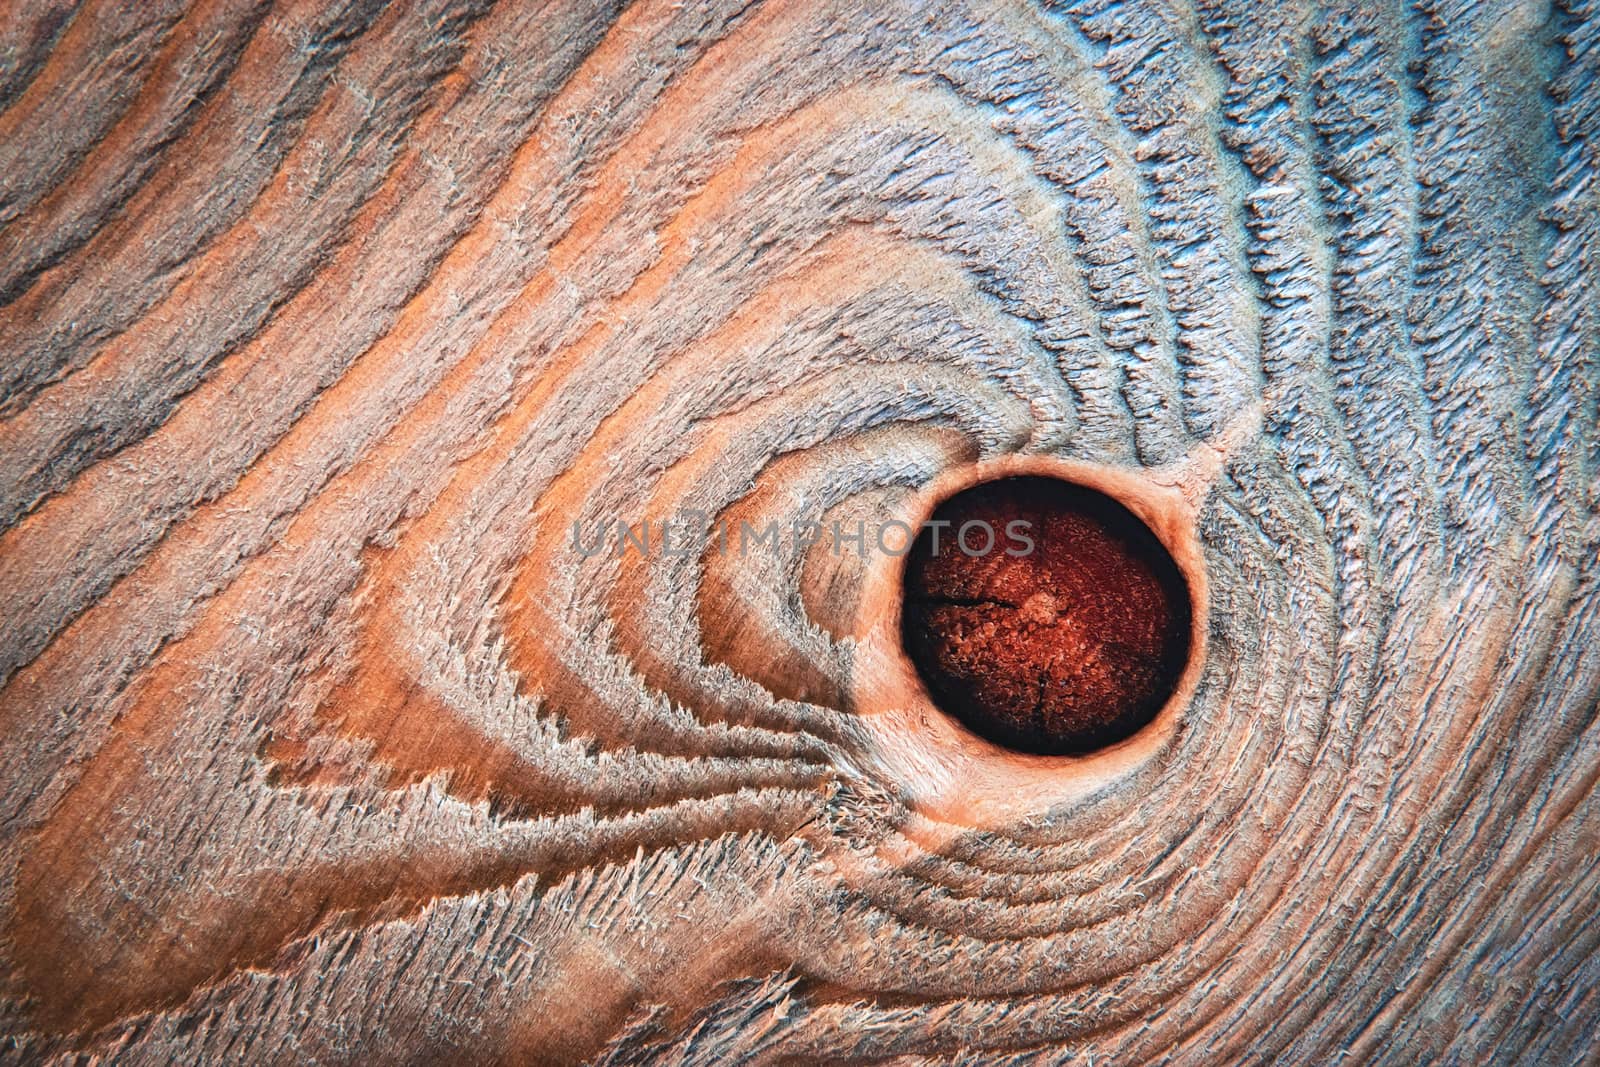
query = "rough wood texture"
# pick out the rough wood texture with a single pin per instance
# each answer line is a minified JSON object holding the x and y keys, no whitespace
{"x":323,"y":320}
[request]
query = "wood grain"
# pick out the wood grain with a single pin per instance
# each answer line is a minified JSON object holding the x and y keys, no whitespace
{"x":323,"y":321}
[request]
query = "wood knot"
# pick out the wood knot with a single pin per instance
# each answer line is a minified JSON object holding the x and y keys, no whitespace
{"x":1067,"y":634}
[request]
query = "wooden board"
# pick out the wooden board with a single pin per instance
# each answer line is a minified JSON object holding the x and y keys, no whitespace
{"x":323,"y":321}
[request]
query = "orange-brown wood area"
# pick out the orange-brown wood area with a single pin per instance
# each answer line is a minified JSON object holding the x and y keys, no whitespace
{"x":334,"y":334}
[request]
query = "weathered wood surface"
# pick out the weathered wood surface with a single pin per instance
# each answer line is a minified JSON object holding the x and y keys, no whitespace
{"x":322,"y":322}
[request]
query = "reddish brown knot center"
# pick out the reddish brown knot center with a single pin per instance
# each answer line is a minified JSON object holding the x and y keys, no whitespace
{"x":1066,"y":633}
